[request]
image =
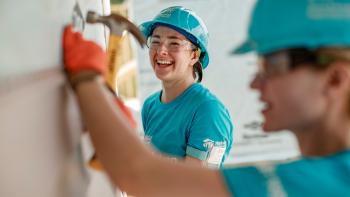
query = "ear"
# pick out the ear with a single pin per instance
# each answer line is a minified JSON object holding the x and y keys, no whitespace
{"x":195,"y":57}
{"x":338,"y":79}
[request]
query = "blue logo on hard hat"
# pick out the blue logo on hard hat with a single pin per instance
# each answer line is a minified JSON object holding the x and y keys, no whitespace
{"x":185,"y":22}
{"x":277,"y":25}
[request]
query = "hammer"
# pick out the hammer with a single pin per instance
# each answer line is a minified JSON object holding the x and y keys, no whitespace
{"x":117,"y":25}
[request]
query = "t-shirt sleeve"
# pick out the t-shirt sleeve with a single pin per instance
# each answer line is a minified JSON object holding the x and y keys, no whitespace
{"x":210,"y":135}
{"x":245,"y":181}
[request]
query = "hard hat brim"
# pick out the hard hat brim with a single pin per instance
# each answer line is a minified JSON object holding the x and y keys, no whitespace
{"x":245,"y":47}
{"x":148,"y":27}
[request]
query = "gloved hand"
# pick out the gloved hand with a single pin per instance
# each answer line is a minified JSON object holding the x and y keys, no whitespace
{"x":82,"y":56}
{"x":85,"y":59}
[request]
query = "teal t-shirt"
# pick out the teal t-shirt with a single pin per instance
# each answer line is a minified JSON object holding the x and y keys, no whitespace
{"x":324,"y":176}
{"x":196,"y":124}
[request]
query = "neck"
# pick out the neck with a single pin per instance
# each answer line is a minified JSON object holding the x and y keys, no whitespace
{"x":173,"y":89}
{"x":326,"y":138}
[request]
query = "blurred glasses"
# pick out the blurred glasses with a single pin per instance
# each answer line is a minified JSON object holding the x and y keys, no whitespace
{"x":171,"y":44}
{"x":281,"y":62}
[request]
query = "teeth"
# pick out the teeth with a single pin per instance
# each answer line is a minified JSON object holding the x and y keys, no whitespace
{"x":266,"y":105}
{"x":163,"y":62}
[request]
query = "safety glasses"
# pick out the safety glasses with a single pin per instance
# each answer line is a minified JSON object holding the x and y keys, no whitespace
{"x":171,"y":44}
{"x":281,"y":62}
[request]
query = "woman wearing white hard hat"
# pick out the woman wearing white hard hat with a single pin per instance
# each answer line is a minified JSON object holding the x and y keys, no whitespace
{"x":304,"y":81}
{"x":184,"y":120}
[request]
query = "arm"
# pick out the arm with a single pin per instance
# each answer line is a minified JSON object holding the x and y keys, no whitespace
{"x":195,"y":161}
{"x":135,"y":169}
{"x":130,"y":163}
{"x":210,"y":136}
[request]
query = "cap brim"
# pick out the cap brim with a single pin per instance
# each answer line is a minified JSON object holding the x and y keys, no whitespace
{"x":246,"y":47}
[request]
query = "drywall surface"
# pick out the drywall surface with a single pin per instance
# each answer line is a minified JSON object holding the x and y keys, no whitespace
{"x":31,"y":31}
{"x":40,"y":126}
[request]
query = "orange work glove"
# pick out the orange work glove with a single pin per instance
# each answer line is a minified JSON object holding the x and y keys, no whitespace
{"x":83,"y":60}
{"x":82,"y":55}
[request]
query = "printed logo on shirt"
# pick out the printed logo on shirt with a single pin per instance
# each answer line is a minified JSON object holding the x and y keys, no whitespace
{"x":216,"y":151}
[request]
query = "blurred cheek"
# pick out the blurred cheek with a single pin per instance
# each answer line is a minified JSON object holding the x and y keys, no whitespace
{"x":150,"y":54}
{"x":151,"y":57}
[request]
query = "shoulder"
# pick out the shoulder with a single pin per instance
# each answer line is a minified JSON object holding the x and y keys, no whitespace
{"x":152,"y":98}
{"x":244,"y":181}
{"x":240,"y":178}
{"x":150,"y":101}
{"x":212,"y":115}
{"x":203,"y":96}
{"x":211,"y":106}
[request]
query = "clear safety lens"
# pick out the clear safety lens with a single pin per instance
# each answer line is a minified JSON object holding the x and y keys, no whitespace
{"x":171,"y":44}
{"x":273,"y":64}
{"x":281,"y":62}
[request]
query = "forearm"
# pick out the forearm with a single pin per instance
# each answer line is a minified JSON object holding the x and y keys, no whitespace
{"x":131,"y":164}
{"x":184,"y":179}
{"x":194,"y":161}
{"x":117,"y":144}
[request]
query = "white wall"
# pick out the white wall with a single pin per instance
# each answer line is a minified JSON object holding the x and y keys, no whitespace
{"x":226,"y":76}
{"x":40,"y":127}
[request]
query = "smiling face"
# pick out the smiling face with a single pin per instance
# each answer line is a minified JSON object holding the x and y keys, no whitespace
{"x":294,"y":100}
{"x":171,"y":55}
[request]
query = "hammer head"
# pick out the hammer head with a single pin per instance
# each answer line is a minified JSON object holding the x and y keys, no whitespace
{"x":117,"y":25}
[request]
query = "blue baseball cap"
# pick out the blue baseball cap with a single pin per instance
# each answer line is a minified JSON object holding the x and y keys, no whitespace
{"x":278,"y":24}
